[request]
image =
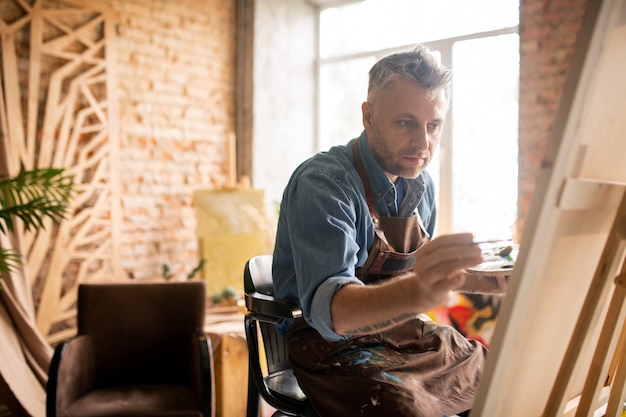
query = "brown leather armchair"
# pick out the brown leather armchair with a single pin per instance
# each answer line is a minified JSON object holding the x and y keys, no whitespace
{"x":140,"y":351}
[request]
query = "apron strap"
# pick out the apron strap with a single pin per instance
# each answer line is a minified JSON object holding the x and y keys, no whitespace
{"x":386,"y":258}
{"x":369,"y":195}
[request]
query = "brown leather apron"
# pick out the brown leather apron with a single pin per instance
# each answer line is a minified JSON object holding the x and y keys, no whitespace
{"x":417,"y":369}
{"x":396,"y":238}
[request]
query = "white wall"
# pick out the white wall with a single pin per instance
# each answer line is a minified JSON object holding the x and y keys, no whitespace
{"x":284,"y":94}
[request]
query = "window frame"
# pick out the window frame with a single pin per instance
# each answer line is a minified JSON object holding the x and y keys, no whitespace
{"x":446,"y":154}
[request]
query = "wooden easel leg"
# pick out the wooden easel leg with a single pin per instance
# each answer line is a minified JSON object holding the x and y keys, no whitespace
{"x":596,"y":376}
{"x":618,"y":384}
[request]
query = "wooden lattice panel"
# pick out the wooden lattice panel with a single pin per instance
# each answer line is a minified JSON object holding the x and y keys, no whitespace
{"x":60,"y":112}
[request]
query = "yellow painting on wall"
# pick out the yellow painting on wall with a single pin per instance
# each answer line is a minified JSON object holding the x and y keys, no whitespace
{"x":232,"y":227}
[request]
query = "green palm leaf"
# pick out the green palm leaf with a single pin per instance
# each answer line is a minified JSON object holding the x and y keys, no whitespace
{"x":9,"y":260}
{"x":33,"y":196}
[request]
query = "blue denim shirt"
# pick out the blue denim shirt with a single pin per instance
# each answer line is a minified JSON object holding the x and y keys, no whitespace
{"x":325,"y":230}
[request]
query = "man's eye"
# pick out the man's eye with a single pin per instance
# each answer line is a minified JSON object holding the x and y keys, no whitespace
{"x":433,"y":127}
{"x":406,"y":123}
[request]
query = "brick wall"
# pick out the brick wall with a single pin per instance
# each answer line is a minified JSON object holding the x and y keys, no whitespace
{"x":176,"y":81}
{"x":548,"y":34}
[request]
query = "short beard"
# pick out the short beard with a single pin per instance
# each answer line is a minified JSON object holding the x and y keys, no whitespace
{"x":382,"y":155}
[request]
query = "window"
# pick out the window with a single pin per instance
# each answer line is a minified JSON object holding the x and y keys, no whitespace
{"x":476,"y":166}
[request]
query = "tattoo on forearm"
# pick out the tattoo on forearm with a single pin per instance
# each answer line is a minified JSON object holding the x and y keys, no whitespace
{"x":381,"y":325}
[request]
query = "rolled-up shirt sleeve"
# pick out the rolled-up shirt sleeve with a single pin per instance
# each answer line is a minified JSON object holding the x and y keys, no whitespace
{"x":320,"y":306}
{"x":323,"y":225}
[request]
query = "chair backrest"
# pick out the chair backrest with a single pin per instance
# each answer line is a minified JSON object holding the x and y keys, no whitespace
{"x":142,"y":332}
{"x":258,"y":275}
{"x":258,"y":279}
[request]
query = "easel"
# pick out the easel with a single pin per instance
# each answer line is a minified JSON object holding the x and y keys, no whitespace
{"x":610,"y":340}
{"x":560,"y":343}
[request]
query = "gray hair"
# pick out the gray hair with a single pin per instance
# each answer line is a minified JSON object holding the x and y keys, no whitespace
{"x":418,"y":65}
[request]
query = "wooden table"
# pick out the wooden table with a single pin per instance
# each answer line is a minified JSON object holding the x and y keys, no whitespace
{"x":225,"y":328}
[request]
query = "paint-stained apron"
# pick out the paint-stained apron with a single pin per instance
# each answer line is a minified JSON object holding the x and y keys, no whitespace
{"x":417,"y":369}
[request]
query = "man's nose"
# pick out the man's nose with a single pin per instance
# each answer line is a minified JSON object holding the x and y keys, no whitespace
{"x":420,"y":138}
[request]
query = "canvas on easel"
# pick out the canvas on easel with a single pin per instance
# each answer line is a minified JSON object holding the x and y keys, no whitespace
{"x":559,"y":345}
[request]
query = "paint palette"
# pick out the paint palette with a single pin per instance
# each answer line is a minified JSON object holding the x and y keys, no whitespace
{"x":498,"y":259}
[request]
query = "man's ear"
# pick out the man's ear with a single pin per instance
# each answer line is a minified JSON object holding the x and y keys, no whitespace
{"x":366,"y":109}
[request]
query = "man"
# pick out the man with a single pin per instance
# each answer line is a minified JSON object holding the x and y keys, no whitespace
{"x":352,"y":250}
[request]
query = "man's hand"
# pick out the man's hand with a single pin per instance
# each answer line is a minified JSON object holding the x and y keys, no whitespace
{"x":370,"y":309}
{"x":439,"y":266}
